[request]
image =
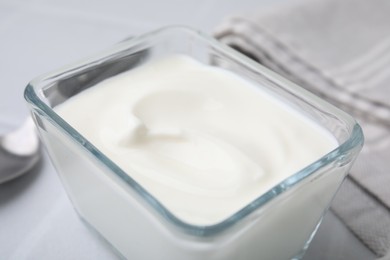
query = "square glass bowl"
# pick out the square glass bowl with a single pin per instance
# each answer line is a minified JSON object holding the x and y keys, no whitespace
{"x":277,"y":225}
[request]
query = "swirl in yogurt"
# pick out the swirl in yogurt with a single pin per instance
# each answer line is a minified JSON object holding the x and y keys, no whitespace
{"x":202,"y":140}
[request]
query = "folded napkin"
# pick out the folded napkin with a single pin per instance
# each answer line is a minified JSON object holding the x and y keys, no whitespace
{"x":340,"y":50}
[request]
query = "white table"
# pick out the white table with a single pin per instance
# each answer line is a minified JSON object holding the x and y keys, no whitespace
{"x":36,"y":218}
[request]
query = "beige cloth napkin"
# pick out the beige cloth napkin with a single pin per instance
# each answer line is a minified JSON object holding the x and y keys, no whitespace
{"x":340,"y":50}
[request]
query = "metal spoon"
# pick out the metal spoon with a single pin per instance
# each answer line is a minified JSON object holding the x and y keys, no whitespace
{"x":19,"y":151}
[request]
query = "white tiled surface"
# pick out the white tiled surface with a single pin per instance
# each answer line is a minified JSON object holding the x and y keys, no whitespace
{"x":36,"y":36}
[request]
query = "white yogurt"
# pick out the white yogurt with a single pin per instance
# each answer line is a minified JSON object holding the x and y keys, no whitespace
{"x":201,"y":140}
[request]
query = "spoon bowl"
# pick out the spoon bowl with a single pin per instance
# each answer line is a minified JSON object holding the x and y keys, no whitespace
{"x":19,"y":151}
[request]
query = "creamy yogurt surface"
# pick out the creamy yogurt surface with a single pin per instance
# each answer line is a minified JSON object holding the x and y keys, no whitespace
{"x":202,"y":140}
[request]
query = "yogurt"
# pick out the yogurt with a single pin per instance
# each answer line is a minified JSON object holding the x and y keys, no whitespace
{"x":201,"y":140}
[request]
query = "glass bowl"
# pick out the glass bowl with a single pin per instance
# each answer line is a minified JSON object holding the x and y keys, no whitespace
{"x":279,"y":224}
